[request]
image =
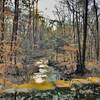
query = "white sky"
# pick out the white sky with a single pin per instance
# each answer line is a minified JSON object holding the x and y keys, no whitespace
{"x":47,"y":7}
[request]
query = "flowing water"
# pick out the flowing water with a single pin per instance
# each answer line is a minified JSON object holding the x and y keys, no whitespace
{"x":45,"y":72}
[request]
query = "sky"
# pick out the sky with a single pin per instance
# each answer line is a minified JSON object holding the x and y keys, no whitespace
{"x":47,"y":7}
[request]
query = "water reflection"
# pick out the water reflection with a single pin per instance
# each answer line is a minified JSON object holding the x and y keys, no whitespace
{"x":46,"y":73}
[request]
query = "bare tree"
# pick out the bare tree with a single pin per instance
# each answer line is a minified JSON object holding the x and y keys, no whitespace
{"x":97,"y":30}
{"x":14,"y":33}
{"x":2,"y":4}
{"x":84,"y":35}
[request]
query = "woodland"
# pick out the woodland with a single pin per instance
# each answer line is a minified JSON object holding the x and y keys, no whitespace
{"x":44,"y":58}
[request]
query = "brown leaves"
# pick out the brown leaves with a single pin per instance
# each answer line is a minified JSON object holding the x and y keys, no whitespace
{"x":8,"y":12}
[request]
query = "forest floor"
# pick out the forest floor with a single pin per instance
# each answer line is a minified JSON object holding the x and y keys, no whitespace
{"x":66,"y":64}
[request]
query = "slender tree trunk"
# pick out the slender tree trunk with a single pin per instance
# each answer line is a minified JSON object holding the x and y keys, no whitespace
{"x":78,"y":35}
{"x":36,"y":28}
{"x":2,"y":30}
{"x":73,"y":21}
{"x":84,"y":36}
{"x":33,"y":24}
{"x":30,"y":36}
{"x":14,"y":34}
{"x":97,"y":31}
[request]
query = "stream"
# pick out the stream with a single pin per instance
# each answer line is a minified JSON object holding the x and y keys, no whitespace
{"x":46,"y":73}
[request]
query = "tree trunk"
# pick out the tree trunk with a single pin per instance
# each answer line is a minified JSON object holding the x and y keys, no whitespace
{"x":37,"y":22}
{"x":78,"y":35}
{"x":81,"y":55}
{"x":2,"y":30}
{"x":14,"y":34}
{"x":33,"y":25}
{"x":30,"y":36}
{"x":97,"y":31}
{"x":84,"y":35}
